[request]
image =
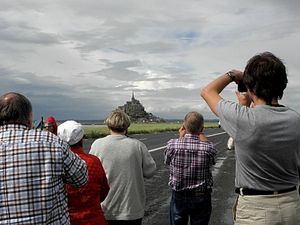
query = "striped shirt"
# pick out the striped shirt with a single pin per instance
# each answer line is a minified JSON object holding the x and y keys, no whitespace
{"x":190,"y":162}
{"x":34,"y":167}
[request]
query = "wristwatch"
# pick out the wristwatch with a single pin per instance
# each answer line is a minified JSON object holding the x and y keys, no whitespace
{"x":231,"y":75}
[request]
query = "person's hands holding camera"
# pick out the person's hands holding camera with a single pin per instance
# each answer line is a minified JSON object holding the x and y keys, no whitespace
{"x":182,"y":131}
{"x":238,"y":76}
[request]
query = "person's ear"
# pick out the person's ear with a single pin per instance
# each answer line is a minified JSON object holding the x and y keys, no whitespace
{"x":30,"y":121}
{"x":29,"y":124}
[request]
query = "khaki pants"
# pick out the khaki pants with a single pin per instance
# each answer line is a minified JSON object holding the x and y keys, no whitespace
{"x":281,"y":209}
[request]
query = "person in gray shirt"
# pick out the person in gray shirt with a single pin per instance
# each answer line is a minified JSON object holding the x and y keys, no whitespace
{"x":267,"y":141}
{"x":126,"y":162}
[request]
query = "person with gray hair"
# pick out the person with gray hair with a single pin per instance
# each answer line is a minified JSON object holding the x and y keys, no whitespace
{"x":190,"y":158}
{"x":84,"y":203}
{"x":127,"y":163}
{"x":35,"y":167}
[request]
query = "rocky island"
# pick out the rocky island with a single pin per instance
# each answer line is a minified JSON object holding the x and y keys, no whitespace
{"x":136,"y":111}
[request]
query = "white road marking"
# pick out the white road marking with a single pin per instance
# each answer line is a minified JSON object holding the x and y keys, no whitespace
{"x":156,"y":149}
{"x":143,"y":139}
{"x":212,"y":135}
{"x":160,"y":148}
{"x":217,"y":166}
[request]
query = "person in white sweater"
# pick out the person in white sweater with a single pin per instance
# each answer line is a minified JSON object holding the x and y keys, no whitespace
{"x":127,"y":163}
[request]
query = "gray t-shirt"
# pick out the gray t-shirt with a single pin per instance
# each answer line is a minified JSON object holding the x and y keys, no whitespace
{"x":126,"y":162}
{"x":267,"y":144}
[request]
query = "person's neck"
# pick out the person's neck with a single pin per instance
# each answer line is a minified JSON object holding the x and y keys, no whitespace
{"x":259,"y":101}
{"x":117,"y":133}
{"x":275,"y":102}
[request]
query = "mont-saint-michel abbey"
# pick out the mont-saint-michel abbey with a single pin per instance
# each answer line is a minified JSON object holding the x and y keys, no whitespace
{"x":136,"y":111}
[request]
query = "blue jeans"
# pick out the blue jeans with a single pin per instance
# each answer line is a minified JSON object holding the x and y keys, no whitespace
{"x":190,"y":205}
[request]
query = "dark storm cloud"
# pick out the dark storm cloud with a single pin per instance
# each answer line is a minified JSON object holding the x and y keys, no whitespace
{"x":52,"y":98}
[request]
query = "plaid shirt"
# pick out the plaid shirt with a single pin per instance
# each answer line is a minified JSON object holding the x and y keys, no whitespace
{"x":34,"y":165}
{"x":190,"y":162}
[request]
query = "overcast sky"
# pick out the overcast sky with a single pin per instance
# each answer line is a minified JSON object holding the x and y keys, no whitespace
{"x":79,"y":59}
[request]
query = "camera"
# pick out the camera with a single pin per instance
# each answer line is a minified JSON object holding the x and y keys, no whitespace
{"x":241,"y":87}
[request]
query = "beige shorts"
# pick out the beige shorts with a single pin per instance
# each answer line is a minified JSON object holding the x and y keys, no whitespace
{"x":280,"y":209}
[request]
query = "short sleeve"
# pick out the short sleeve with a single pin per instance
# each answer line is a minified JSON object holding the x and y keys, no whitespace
{"x":235,"y":119}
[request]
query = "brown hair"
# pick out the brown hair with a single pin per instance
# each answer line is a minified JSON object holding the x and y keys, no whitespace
{"x":118,"y":121}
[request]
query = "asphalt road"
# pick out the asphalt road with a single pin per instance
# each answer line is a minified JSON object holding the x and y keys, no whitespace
{"x":157,"y":190}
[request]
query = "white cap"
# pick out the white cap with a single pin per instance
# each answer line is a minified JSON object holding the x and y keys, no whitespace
{"x":70,"y":131}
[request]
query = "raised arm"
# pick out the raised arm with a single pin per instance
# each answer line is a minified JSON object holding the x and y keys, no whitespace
{"x":211,"y":92}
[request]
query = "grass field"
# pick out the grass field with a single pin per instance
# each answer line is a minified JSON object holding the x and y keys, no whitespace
{"x":138,"y":128}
